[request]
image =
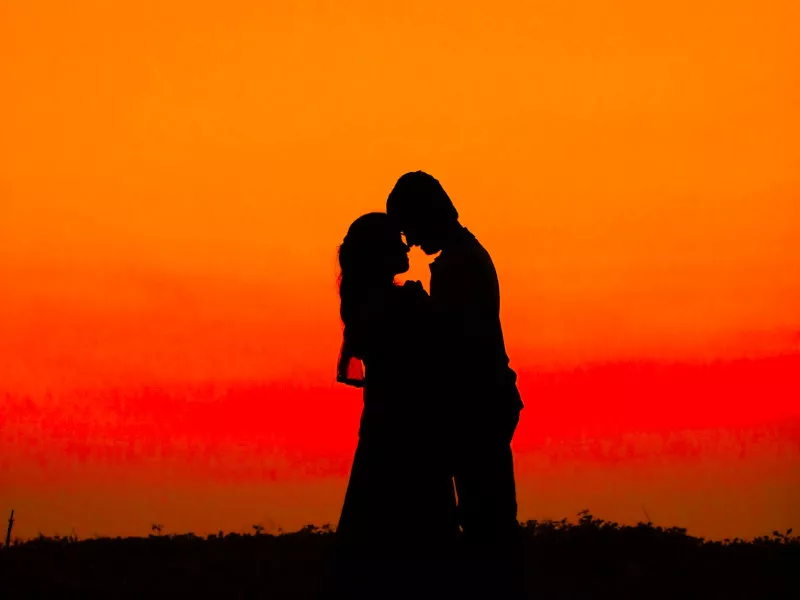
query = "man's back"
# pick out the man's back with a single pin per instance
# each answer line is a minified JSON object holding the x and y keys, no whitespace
{"x":466,"y":297}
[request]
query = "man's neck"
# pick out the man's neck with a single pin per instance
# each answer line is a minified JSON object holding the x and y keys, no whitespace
{"x":451,"y":235}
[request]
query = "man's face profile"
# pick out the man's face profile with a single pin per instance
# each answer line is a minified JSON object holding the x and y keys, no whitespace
{"x":417,"y":234}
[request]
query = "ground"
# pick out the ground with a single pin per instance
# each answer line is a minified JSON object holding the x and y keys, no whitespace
{"x":587,"y":558}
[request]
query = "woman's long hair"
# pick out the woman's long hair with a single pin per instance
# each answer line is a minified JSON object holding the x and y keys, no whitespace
{"x":362,"y":265}
{"x":362,"y":261}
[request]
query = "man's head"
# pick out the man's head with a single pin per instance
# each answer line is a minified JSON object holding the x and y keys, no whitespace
{"x":422,"y":209}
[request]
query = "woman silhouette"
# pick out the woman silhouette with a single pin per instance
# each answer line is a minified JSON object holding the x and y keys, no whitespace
{"x":398,"y":520}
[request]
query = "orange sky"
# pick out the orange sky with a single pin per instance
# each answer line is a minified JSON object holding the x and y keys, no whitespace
{"x":175,"y":177}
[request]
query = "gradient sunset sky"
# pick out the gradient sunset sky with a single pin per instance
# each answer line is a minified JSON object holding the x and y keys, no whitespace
{"x":175,"y":178}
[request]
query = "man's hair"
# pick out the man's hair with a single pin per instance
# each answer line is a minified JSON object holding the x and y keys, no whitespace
{"x":420,"y":195}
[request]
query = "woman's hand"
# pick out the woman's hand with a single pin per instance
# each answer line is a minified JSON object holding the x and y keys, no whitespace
{"x":415,"y":286}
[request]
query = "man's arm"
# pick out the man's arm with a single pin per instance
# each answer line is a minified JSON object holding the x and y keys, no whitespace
{"x":465,"y":308}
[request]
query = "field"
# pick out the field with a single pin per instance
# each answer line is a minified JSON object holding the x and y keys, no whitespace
{"x":589,"y":557}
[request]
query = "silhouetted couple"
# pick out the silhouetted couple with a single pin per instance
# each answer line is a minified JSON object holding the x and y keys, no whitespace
{"x":440,"y":406}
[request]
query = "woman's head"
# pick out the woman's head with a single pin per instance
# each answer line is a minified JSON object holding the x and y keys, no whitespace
{"x":373,"y":250}
{"x":372,"y":253}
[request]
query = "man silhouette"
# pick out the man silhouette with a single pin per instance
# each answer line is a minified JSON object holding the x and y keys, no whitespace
{"x":478,"y":385}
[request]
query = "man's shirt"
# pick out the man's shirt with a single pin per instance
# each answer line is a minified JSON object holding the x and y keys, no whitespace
{"x":465,"y":294}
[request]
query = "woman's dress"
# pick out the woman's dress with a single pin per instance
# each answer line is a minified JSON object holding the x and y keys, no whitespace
{"x":399,"y":510}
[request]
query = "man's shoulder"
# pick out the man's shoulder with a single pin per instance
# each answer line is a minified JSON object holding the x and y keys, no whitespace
{"x":473,"y":255}
{"x":465,"y":265}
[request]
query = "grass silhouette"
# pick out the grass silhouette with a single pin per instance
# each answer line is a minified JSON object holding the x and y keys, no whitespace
{"x":564,"y":559}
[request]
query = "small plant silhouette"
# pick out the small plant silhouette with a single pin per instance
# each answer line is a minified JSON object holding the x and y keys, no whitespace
{"x":157,"y":527}
{"x":10,"y":526}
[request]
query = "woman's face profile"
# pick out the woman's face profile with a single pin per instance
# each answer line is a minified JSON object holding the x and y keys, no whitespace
{"x":397,"y":254}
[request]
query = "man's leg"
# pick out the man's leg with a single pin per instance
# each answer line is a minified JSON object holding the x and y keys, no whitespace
{"x":484,"y":477}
